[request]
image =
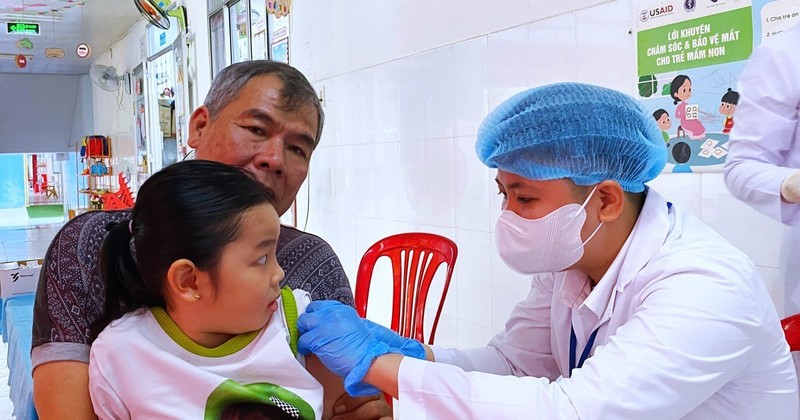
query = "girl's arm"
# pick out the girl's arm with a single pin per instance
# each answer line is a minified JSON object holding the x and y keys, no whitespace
{"x":371,"y":407}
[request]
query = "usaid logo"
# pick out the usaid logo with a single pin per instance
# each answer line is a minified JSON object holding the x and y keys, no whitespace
{"x":654,"y":13}
{"x":689,"y":5}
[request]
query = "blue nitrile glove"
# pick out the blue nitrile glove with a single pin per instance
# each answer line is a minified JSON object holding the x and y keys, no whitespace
{"x":396,"y":342}
{"x":336,"y":334}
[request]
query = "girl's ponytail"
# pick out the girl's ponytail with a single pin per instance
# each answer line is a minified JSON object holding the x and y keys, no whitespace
{"x":124,"y":289}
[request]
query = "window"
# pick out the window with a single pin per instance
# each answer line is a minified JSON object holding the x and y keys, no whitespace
{"x":258,"y":27}
{"x":217,"y":30}
{"x":240,"y":32}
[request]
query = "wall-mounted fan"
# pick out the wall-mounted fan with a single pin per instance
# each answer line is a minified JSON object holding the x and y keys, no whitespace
{"x":107,"y":78}
{"x":154,"y":13}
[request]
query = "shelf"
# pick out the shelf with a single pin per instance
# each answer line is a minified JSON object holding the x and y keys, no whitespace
{"x":98,"y":192}
{"x":100,"y":156}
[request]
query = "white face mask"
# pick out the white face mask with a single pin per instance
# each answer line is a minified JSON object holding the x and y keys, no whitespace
{"x":545,"y":245}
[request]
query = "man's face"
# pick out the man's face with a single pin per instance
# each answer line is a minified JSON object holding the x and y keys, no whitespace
{"x":253,"y":132}
{"x":533,"y":199}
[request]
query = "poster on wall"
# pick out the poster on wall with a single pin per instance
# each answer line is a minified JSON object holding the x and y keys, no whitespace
{"x":280,"y":50}
{"x":689,"y":56}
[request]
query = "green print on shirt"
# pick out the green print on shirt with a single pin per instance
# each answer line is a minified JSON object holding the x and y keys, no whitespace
{"x":231,"y":398}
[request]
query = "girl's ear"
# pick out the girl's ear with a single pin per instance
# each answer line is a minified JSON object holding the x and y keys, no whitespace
{"x":184,"y":280}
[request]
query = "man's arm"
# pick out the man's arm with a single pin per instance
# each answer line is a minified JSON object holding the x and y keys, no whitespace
{"x":762,"y":142}
{"x":337,"y":402}
{"x":62,"y":389}
{"x":522,"y":348}
{"x":68,"y":300}
{"x":311,"y":264}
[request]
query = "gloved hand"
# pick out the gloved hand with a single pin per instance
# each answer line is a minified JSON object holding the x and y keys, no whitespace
{"x":790,"y":188}
{"x":336,"y":334}
{"x":396,"y":342}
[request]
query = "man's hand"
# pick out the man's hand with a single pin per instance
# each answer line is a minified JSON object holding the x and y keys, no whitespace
{"x":790,"y":188}
{"x":396,"y":342}
{"x":362,"y":408}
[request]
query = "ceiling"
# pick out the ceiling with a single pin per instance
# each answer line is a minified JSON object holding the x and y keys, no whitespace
{"x":98,"y":23}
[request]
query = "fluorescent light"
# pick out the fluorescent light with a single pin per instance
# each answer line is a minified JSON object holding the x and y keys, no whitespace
{"x":27,"y":17}
{"x":14,"y":56}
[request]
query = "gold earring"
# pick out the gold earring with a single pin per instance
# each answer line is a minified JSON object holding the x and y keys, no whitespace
{"x":196,"y":296}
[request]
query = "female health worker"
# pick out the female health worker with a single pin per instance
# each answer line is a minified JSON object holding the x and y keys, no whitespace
{"x":636,"y":309}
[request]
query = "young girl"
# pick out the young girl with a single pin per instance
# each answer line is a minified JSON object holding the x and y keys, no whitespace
{"x":194,"y":323}
{"x":727,"y":107}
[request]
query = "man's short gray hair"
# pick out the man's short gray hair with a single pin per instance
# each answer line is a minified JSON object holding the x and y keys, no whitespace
{"x":296,"y":92}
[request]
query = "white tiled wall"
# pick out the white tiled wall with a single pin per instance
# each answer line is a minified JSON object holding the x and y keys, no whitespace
{"x":398,"y":155}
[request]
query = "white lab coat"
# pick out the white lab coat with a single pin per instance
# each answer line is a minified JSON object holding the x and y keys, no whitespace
{"x":764,"y":146}
{"x":686,"y":330}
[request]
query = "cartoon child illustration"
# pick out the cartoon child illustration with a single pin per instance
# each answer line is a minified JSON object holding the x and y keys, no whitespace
{"x":681,"y":90}
{"x":727,"y":107}
{"x":681,"y":152}
{"x":664,"y":123}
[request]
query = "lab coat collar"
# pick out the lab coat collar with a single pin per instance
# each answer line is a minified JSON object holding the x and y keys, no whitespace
{"x":646,"y":238}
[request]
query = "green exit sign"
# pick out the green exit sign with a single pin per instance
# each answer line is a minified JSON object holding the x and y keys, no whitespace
{"x":22,"y":28}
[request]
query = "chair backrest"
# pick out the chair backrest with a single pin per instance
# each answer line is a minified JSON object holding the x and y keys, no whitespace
{"x":415,"y":259}
{"x":791,"y":329}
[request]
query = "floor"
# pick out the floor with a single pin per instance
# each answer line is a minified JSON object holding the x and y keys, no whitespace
{"x":44,"y":198}
{"x":21,"y":239}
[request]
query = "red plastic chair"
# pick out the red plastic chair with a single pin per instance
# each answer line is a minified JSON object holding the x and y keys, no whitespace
{"x":791,"y":329}
{"x":415,"y":259}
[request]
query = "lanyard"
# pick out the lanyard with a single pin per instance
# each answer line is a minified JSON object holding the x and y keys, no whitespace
{"x":573,"y":348}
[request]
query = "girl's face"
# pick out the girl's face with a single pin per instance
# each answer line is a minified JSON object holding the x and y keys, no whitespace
{"x":685,"y":91}
{"x":726,"y":108}
{"x":248,"y":277}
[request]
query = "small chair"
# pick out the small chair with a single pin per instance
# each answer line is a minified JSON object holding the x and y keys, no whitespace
{"x":791,"y":329}
{"x":52,"y":191}
{"x":415,"y":259}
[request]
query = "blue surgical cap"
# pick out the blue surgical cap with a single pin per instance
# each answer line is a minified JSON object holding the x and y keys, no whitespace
{"x":586,"y":133}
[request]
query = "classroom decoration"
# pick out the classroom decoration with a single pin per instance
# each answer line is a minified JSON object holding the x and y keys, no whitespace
{"x":279,"y":8}
{"x":25,"y":44}
{"x":689,"y":57}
